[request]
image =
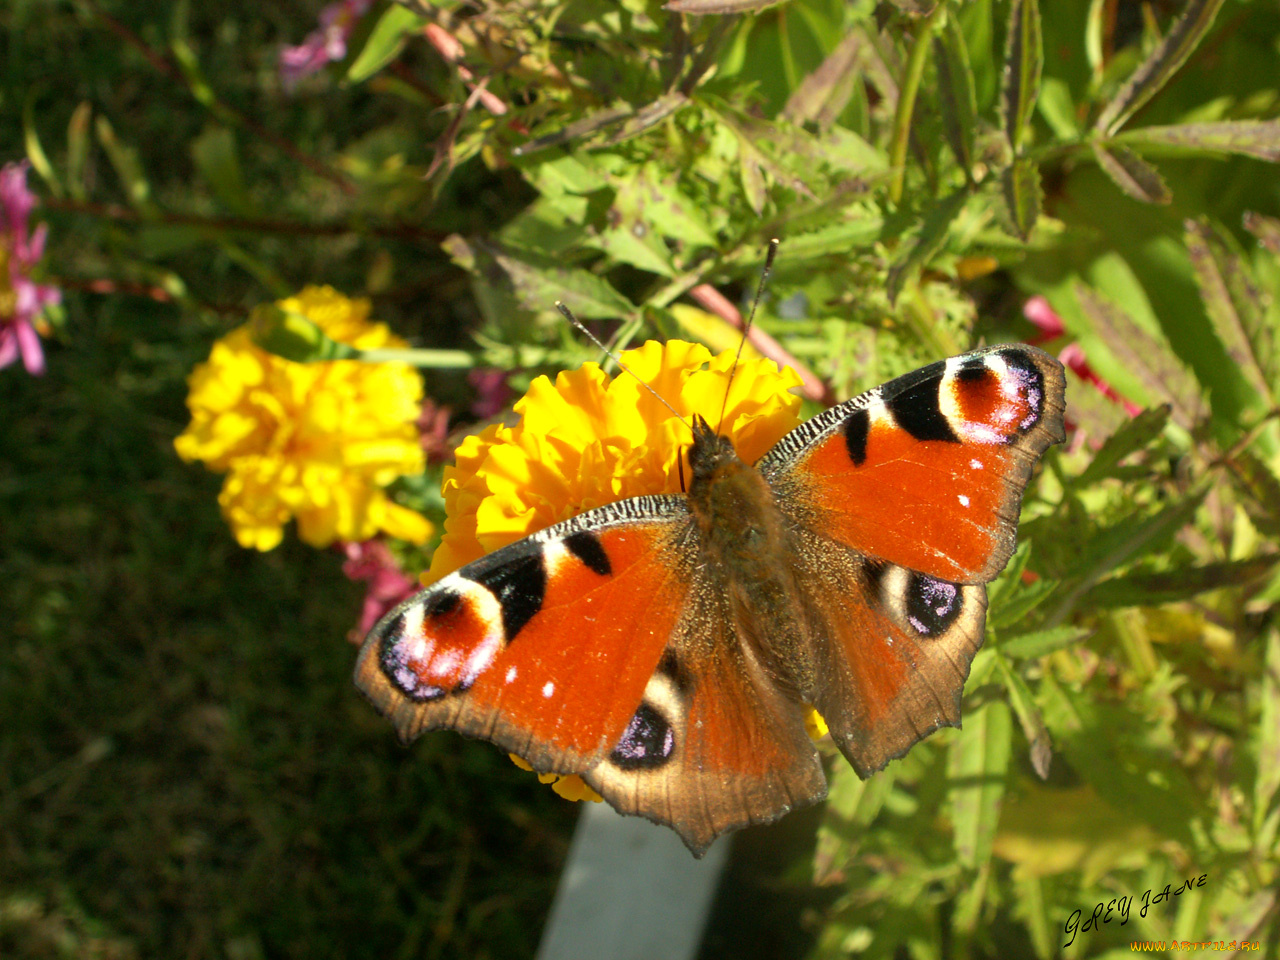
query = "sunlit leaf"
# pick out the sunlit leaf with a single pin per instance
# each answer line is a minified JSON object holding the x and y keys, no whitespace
{"x":385,"y":42}
{"x":1131,"y":173}
{"x":1020,"y":189}
{"x":976,"y":766}
{"x":1024,"y":706}
{"x":1251,"y":138}
{"x":1234,"y":304}
{"x":956,"y":95}
{"x":931,"y":238}
{"x":1170,"y":54}
{"x":1023,"y":61}
{"x":1134,"y":434}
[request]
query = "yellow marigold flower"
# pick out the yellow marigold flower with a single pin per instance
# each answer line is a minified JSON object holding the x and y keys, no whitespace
{"x":311,"y":441}
{"x":587,"y":440}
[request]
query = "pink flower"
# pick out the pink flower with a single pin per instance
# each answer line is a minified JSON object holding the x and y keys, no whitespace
{"x":1038,"y":311}
{"x":491,"y":385}
{"x":388,"y":584}
{"x":21,"y":299}
{"x":326,"y":45}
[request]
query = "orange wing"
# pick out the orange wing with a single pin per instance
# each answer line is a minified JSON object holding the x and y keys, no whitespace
{"x":544,"y":647}
{"x":927,"y":471}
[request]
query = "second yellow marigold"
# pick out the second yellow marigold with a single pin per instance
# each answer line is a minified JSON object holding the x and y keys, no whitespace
{"x":311,"y":441}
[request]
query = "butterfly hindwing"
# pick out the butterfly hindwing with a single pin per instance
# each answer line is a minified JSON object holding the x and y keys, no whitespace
{"x":894,"y":649}
{"x":715,"y":745}
{"x":927,"y":471}
{"x":544,"y":647}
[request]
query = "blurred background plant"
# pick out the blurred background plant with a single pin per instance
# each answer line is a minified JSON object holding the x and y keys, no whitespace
{"x":184,"y":767}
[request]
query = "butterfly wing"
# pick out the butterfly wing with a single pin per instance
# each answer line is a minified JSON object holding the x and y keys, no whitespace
{"x":544,"y":647}
{"x":715,"y":745}
{"x":602,"y":647}
{"x":904,"y":502}
{"x":927,"y":471}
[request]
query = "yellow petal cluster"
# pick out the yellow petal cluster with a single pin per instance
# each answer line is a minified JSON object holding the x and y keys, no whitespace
{"x":315,"y":442}
{"x":588,"y":439}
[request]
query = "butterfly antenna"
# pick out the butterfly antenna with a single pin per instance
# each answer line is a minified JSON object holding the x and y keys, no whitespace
{"x":746,"y":327}
{"x":568,"y":315}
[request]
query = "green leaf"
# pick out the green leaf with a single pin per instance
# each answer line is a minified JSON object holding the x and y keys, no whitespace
{"x":1235,"y":306}
{"x":125,"y":162}
{"x":35,"y":149}
{"x":385,"y":42}
{"x":1109,"y":746}
{"x":1150,"y":360}
{"x":956,"y":97}
{"x":706,"y":7}
{"x":976,"y":767}
{"x":1267,"y":783}
{"x":78,"y":148}
{"x":1262,"y":490}
{"x":1020,"y":188}
{"x":1266,"y":229}
{"x":1024,"y":706}
{"x":931,"y":238}
{"x":1164,"y":61}
{"x":1251,"y":138}
{"x":215,"y":156}
{"x":539,"y":284}
{"x":822,"y":95}
{"x":1132,"y":435}
{"x":1131,"y":173}
{"x":1040,"y":643}
{"x":1023,"y":61}
{"x":1021,"y":602}
{"x":1172,"y":586}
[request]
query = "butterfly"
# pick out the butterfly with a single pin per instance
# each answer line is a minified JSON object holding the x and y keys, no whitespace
{"x":664,"y":647}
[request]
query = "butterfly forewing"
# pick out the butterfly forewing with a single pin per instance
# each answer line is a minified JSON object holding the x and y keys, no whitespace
{"x":544,"y":647}
{"x":927,"y":471}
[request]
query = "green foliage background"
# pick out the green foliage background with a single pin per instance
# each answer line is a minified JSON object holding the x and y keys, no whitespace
{"x":184,"y":767}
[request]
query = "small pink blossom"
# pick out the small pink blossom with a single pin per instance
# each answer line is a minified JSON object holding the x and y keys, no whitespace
{"x":325,"y":45}
{"x":1038,"y":311}
{"x":491,"y":385}
{"x":21,"y":299}
{"x":372,"y":562}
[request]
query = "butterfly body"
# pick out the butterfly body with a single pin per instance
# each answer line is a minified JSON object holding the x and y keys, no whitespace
{"x":663,"y":646}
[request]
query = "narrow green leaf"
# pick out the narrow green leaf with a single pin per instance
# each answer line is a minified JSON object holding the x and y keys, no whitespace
{"x":650,"y":115}
{"x":216,"y":158}
{"x":705,"y":7}
{"x":915,"y":8}
{"x":1020,"y":188}
{"x":1266,"y":229}
{"x":385,"y":42}
{"x":823,"y":93}
{"x":1252,"y":138}
{"x":78,"y":148}
{"x":1020,"y":603}
{"x":1132,"y":435}
{"x":956,"y":96}
{"x":1268,"y":781}
{"x":1024,"y":706}
{"x":1131,"y":173}
{"x":1172,"y":586}
{"x":1118,"y":544}
{"x":1023,"y":61}
{"x":1262,"y":490}
{"x":1152,"y":361}
{"x":931,"y":238}
{"x":1009,"y":582}
{"x":35,"y":149}
{"x":1165,"y":60}
{"x":1041,"y":643}
{"x":976,"y":767}
{"x":1235,"y":306}
{"x":125,"y":162}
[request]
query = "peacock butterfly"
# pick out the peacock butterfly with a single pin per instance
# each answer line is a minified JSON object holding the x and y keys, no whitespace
{"x":662,"y":646}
